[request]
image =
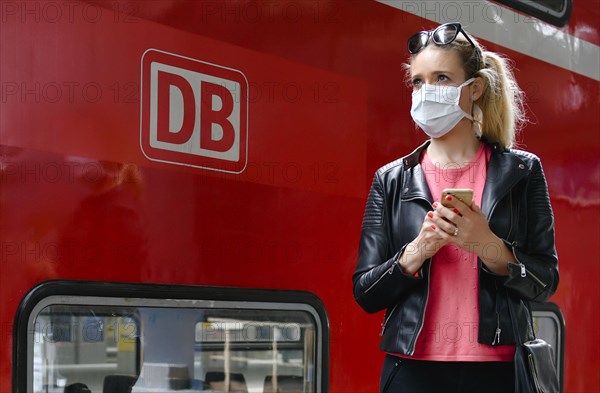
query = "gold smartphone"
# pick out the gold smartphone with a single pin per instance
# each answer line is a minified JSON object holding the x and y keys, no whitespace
{"x":464,"y":194}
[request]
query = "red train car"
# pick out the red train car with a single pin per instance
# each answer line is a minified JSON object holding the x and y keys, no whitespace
{"x":182,"y":184}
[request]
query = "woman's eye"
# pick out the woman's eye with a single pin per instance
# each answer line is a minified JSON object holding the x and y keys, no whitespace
{"x":416,"y":84}
{"x":443,"y":78}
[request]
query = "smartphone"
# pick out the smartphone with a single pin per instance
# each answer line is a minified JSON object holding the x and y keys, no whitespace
{"x":464,"y":194}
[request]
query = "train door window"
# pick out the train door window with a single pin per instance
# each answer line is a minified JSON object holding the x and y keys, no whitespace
{"x":549,"y":325}
{"x":242,"y":340}
{"x":255,"y":353}
{"x":556,"y":12}
{"x":82,"y":344}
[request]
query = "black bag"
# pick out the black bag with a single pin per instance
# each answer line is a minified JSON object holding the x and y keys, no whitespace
{"x":535,"y":371}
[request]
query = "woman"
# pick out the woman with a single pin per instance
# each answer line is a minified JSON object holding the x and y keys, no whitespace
{"x":445,"y":273}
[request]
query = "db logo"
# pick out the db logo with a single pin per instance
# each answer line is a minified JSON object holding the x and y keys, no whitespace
{"x":193,"y":113}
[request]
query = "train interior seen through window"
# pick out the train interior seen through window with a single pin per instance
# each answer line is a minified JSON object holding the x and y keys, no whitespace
{"x":95,"y":348}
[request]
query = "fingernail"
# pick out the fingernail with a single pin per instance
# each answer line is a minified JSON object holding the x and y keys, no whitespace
{"x":448,"y":198}
{"x":456,"y":211}
{"x":435,"y":204}
{"x":433,"y":227}
{"x":430,"y":214}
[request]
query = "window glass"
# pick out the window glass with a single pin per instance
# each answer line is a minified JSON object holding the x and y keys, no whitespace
{"x":547,"y":325}
{"x":558,"y":6}
{"x":103,"y":345}
{"x":556,"y":12}
{"x":84,"y":345}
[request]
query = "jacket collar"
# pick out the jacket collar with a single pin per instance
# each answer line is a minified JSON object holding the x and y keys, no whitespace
{"x":505,"y":169}
{"x":414,"y":184}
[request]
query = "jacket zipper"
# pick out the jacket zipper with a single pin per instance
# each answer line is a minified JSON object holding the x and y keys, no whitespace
{"x":510,"y":203}
{"x":389,"y":271}
{"x":498,"y":330}
{"x":524,"y":272}
{"x":387,"y":319}
{"x":413,"y":344}
{"x":496,"y":340}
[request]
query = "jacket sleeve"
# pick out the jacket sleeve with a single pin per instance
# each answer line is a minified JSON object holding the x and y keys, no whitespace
{"x":535,"y":277}
{"x":378,"y":280}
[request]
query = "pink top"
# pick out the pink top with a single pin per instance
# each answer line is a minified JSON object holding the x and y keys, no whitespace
{"x":451,"y":322}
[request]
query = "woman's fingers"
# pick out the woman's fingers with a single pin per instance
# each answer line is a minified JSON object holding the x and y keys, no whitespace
{"x":440,"y":224}
{"x":450,"y":214}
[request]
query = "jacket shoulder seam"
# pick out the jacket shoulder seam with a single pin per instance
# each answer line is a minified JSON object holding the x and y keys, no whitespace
{"x":389,"y":166}
{"x":524,"y":155}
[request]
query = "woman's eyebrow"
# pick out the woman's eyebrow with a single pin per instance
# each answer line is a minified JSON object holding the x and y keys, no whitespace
{"x":437,"y":72}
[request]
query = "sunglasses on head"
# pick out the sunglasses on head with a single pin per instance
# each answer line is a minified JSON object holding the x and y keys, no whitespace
{"x":442,"y":35}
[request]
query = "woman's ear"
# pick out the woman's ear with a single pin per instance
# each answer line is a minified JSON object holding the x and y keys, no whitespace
{"x":477,"y":88}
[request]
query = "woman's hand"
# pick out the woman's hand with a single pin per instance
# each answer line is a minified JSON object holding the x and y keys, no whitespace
{"x":425,"y":245}
{"x":461,"y":225}
{"x":468,"y":229}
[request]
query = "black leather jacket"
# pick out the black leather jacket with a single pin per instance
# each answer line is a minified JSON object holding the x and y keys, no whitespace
{"x":516,"y":203}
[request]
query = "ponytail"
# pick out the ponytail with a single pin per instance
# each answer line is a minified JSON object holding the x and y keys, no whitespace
{"x":501,"y":102}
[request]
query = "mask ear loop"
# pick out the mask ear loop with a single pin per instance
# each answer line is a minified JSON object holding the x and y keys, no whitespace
{"x":477,"y":118}
{"x":476,"y":115}
{"x":476,"y":112}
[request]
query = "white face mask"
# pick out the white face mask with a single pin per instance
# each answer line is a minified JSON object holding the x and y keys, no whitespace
{"x":436,"y":109}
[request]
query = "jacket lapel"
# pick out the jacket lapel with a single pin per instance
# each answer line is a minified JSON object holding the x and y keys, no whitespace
{"x":414,"y":184}
{"x":504,"y":171}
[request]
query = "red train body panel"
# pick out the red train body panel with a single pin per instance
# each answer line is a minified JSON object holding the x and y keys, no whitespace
{"x":326,"y":106}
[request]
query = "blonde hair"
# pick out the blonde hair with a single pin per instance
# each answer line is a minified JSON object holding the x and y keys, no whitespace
{"x":502,"y":101}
